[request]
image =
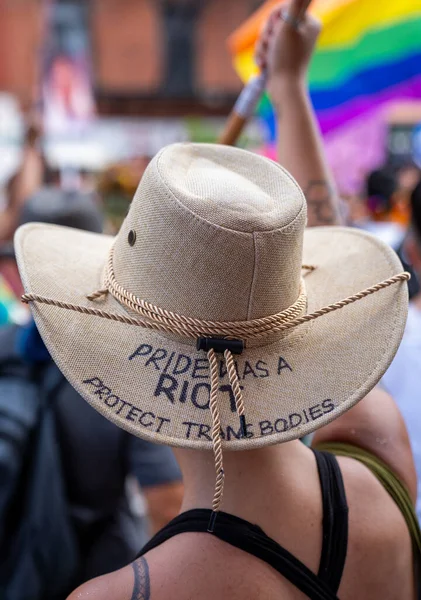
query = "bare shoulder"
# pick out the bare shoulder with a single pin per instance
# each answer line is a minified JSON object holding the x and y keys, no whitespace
{"x":182,"y":568}
{"x":199,"y":565}
{"x":379,"y":540}
{"x":119,"y":585}
{"x":376,"y":425}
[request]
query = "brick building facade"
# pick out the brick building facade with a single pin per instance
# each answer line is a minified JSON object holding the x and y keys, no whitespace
{"x":20,"y":33}
{"x":148,"y":56}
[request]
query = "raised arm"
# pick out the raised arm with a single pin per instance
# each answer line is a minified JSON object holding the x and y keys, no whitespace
{"x":25,"y":182}
{"x":284,"y":50}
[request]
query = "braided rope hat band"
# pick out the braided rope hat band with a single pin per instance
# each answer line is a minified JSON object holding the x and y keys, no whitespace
{"x":216,"y":235}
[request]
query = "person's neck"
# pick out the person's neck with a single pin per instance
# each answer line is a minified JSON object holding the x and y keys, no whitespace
{"x":253,"y":479}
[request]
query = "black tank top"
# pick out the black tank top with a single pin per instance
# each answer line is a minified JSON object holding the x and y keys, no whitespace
{"x":252,"y":539}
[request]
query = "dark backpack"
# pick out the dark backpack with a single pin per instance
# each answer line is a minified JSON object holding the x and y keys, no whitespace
{"x":38,"y":553}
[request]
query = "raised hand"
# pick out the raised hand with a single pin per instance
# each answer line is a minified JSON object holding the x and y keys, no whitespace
{"x":287,"y":42}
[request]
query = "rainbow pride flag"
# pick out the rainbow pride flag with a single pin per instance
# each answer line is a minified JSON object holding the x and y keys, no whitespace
{"x":11,"y":308}
{"x":368,"y":55}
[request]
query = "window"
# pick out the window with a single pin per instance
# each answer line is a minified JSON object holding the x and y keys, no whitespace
{"x":179,"y":22}
{"x":69,"y":30}
{"x":67,"y":93}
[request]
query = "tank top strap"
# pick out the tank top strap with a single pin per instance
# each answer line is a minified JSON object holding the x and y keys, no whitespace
{"x":335,"y":520}
{"x":251,"y":539}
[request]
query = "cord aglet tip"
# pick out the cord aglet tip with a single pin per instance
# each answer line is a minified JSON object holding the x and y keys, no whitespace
{"x":243,"y":426}
{"x":212,"y":521}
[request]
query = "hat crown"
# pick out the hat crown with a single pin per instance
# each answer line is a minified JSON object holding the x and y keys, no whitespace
{"x":218,"y":234}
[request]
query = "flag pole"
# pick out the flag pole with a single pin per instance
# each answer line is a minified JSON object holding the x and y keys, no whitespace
{"x":248,"y":99}
{"x":243,"y":110}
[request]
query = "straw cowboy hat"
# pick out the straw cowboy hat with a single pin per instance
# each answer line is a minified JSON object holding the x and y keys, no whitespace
{"x":214,"y":318}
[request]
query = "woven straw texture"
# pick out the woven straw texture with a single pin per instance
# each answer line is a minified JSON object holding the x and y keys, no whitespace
{"x":220,"y":235}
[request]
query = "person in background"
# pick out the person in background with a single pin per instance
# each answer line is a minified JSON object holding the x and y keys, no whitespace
{"x":381,"y":212}
{"x":24,"y":183}
{"x":408,"y":175}
{"x":27,"y":180}
{"x":97,"y":459}
{"x":402,"y":379}
{"x":47,"y":204}
{"x":380,"y":198}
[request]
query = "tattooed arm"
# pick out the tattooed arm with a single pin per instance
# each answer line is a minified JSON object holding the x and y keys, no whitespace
{"x":285,"y":52}
{"x":300,"y":151}
{"x":142,"y":585}
{"x":129,"y":583}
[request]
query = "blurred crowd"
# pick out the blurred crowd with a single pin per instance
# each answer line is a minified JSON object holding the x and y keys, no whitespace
{"x":70,"y":479}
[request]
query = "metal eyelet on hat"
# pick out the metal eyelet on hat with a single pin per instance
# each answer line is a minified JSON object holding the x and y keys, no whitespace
{"x":132,"y":237}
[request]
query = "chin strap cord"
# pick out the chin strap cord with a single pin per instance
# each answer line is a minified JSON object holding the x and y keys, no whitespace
{"x":216,"y":439}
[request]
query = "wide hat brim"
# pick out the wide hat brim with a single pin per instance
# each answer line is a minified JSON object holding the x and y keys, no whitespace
{"x":157,"y":387}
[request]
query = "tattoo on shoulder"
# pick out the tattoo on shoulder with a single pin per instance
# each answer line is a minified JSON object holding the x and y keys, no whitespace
{"x":142,"y":587}
{"x":320,"y":197}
